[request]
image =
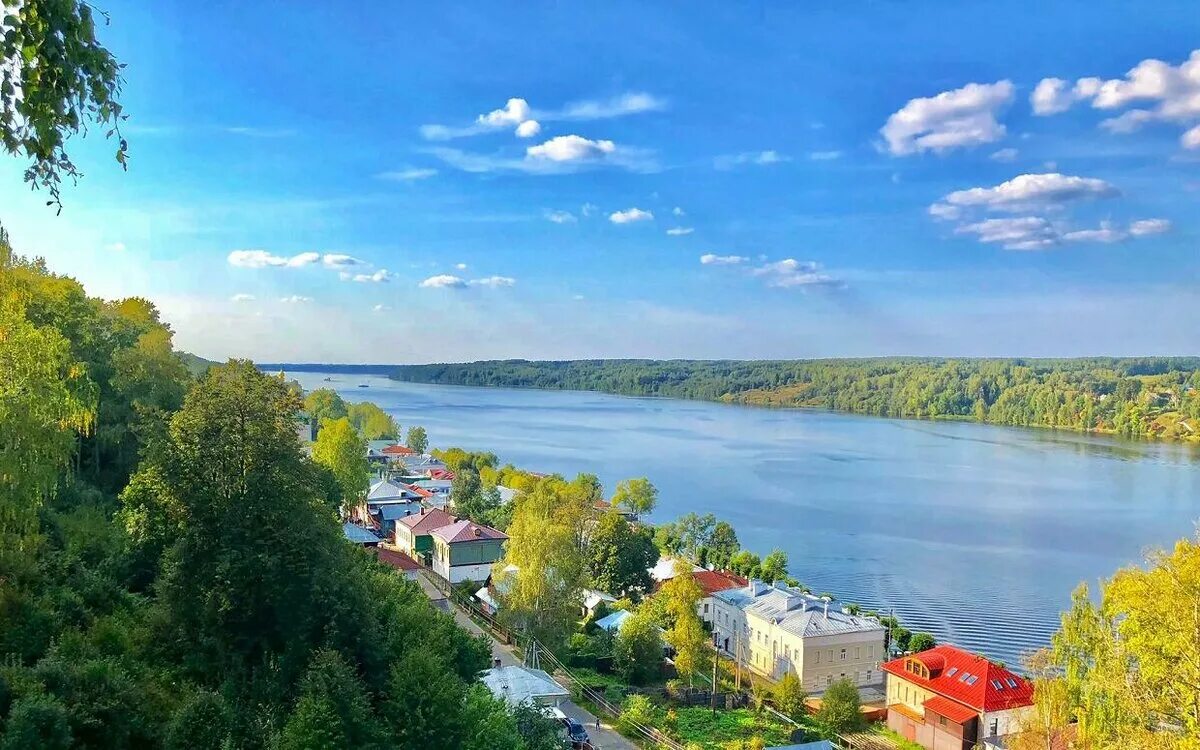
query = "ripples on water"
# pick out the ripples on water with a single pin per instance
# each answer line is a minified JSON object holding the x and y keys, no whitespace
{"x":977,"y":534}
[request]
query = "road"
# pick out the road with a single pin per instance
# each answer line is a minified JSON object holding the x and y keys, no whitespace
{"x":603,"y":736}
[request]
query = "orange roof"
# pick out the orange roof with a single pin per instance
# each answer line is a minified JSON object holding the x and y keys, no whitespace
{"x":966,"y":678}
{"x":398,"y":450}
{"x":952,"y":710}
{"x":712,"y":581}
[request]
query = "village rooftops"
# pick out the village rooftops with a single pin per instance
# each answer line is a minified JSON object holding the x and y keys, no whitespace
{"x":712,"y":581}
{"x":466,"y":531}
{"x":397,"y":560}
{"x":392,"y":491}
{"x":424,"y":523}
{"x":397,"y":450}
{"x":517,"y":684}
{"x":805,"y":615}
{"x":964,"y":678}
{"x":358,"y":534}
{"x":668,"y":567}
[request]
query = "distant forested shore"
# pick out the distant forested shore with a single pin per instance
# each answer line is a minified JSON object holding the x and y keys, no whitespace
{"x":1144,"y":397}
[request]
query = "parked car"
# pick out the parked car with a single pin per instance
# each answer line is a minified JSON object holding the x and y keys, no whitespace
{"x":575,"y":731}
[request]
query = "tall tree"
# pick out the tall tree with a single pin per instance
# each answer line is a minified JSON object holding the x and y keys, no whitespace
{"x":638,"y":648}
{"x":372,"y":422}
{"x":686,"y":635}
{"x":619,"y":556}
{"x":325,"y":404}
{"x":416,"y":439}
{"x":841,"y":707}
{"x":638,"y":495}
{"x":774,"y":566}
{"x":722,"y":544}
{"x":344,"y":452}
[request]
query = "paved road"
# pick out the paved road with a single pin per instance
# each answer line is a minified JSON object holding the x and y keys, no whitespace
{"x":603,"y":737}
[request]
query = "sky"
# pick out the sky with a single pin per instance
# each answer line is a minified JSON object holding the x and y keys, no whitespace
{"x":425,"y":182}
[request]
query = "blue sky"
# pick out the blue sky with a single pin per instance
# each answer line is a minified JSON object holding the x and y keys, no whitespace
{"x":353,"y":182}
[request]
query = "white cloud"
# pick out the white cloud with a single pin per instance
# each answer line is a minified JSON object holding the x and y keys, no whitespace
{"x":561,"y":217}
{"x":587,"y":209}
{"x":493,"y":281}
{"x":624,"y":104}
{"x":443,"y":281}
{"x":1172,"y":91}
{"x":1004,"y":155}
{"x":710,"y":259}
{"x":1027,"y":190}
{"x":461,"y":266}
{"x":295,"y":299}
{"x":340,"y":260}
{"x":528,"y":129}
{"x":379,"y":277}
{"x":679,"y":231}
{"x":409,"y":174}
{"x":1144,"y":227}
{"x":565,"y":148}
{"x":791,"y":273}
{"x":264,"y":259}
{"x":1106,"y":234}
{"x":1014,"y":233}
{"x":944,"y":211}
{"x":761,"y":158}
{"x":242,"y":298}
{"x":515,"y":112}
{"x":630,"y":215}
{"x":678,"y":211}
{"x":381,"y":308}
{"x":824,"y":155}
{"x":952,"y":119}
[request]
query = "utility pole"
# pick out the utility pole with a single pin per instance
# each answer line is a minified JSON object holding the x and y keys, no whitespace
{"x":712,"y":696}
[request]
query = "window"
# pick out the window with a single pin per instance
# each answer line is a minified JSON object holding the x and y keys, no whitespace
{"x":869,"y":675}
{"x":951,"y":671}
{"x":994,"y":727}
{"x":816,"y":657}
{"x":828,"y":680}
{"x":843,"y":655}
{"x":706,"y":608}
{"x":856,"y":654}
{"x":871,"y":652}
{"x":942,"y":720}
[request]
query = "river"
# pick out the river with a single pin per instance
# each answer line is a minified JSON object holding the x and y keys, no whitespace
{"x":975,"y":533}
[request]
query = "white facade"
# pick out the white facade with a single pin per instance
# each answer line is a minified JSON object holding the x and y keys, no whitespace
{"x":994,"y":725}
{"x":459,"y":573}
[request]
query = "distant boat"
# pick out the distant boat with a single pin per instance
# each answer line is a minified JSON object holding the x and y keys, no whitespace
{"x":363,"y":385}
{"x":328,"y":380}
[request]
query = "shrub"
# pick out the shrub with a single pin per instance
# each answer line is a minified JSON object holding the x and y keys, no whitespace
{"x":637,"y":710}
{"x":841,"y":707}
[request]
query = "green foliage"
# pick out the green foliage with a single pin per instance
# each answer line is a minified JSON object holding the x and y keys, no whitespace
{"x":38,"y":721}
{"x":921,"y":642}
{"x":774,"y":566}
{"x":639,"y":496}
{"x":372,"y":422}
{"x":637,"y":710}
{"x":324,"y":404}
{"x":722,"y":545}
{"x":620,"y":556}
{"x":698,"y":726}
{"x":686,"y":634}
{"x":789,"y":696}
{"x":416,"y":439}
{"x":343,"y":451}
{"x":841,"y":708}
{"x":457,"y":459}
{"x":60,"y":79}
{"x":638,"y":649}
{"x":538,"y":731}
{"x":1137,"y":397}
{"x":201,"y":723}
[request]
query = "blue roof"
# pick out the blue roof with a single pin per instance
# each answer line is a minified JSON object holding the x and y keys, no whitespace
{"x":614,"y":621}
{"x":358,"y":534}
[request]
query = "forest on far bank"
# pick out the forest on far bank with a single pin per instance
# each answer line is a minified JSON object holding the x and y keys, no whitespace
{"x":1144,"y":397}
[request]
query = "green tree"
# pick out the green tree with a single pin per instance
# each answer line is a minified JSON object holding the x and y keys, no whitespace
{"x":490,"y":724}
{"x":789,"y":696}
{"x":921,"y":642}
{"x":37,"y":721}
{"x":774,"y":566}
{"x":639,"y":496}
{"x":202,"y":723}
{"x":687,"y":635}
{"x":637,"y":710}
{"x":420,"y":705}
{"x":372,"y":422}
{"x":537,"y":730}
{"x":619,"y":556}
{"x":638,"y":648}
{"x":324,"y":404}
{"x":57,"y":78}
{"x":722,"y":545}
{"x":465,"y":490}
{"x":344,"y":452}
{"x":417,"y":440}
{"x":841,"y":707}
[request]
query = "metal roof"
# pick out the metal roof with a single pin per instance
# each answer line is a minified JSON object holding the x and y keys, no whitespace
{"x":518,"y":684}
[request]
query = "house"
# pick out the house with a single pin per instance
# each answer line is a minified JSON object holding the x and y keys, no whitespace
{"x":712,"y":582}
{"x":438,"y":487}
{"x":375,"y":455}
{"x":358,"y":535}
{"x":776,"y":629}
{"x":396,"y":453}
{"x":412,"y":533}
{"x":496,"y":586}
{"x":517,"y":684}
{"x":306,"y":427}
{"x":668,"y":567}
{"x":507,"y":494}
{"x":391,"y":490}
{"x":466,"y":551}
{"x":950,"y":698}
{"x":402,"y":563}
{"x":592,"y":599}
{"x":389,"y":500}
{"x":426,"y":465}
{"x":615,"y":621}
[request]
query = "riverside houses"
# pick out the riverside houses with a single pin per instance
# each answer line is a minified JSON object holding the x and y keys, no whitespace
{"x":413,"y":533}
{"x":949,"y":698}
{"x":466,"y":551}
{"x":774,"y":630}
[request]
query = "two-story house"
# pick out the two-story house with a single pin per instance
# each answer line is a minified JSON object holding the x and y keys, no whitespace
{"x":466,"y":551}
{"x":413,"y":534}
{"x":947,"y":698}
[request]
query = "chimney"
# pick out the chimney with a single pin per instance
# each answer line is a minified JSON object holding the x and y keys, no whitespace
{"x":826,"y":607}
{"x":793,"y":600}
{"x":479,"y":533}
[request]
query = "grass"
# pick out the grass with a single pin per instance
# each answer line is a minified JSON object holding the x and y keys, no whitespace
{"x":900,"y":742}
{"x":699,"y":725}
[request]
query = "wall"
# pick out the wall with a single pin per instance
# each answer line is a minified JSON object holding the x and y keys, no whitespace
{"x":816,"y":660}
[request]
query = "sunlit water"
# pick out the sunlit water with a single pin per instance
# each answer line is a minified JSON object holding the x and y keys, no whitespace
{"x":975,"y":533}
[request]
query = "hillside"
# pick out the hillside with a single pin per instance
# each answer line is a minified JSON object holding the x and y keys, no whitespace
{"x":1150,"y":397}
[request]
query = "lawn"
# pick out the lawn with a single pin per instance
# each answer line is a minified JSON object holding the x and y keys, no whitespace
{"x":701,"y":726}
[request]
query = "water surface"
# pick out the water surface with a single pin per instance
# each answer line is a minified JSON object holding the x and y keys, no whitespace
{"x":973,"y":532}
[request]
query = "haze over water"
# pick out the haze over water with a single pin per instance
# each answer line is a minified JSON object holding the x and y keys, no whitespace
{"x":975,"y":533}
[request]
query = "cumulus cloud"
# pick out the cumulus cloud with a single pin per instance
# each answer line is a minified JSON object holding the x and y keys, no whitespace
{"x":710,"y":259}
{"x":264,"y":259}
{"x":561,"y":217}
{"x":1024,"y":191}
{"x":678,"y":211}
{"x":953,"y":119}
{"x":379,"y":277}
{"x":528,"y":129}
{"x":679,"y":231}
{"x":340,"y":260}
{"x":791,"y":273}
{"x":409,"y":174}
{"x":1014,"y":233}
{"x":527,"y":122}
{"x":1004,"y":155}
{"x":515,"y":112}
{"x":761,"y":158}
{"x":493,"y":281}
{"x":570,"y":148}
{"x":630,"y":216}
{"x":242,"y":298}
{"x":448,"y":281}
{"x":1172,"y":93}
{"x":461,"y":266}
{"x":1145,"y":227}
{"x":1106,"y":234}
{"x":295,"y":299}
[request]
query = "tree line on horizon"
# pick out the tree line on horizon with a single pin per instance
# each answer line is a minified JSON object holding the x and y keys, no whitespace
{"x":1143,"y":397}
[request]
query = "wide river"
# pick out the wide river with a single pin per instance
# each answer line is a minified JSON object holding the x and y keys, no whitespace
{"x":975,"y":533}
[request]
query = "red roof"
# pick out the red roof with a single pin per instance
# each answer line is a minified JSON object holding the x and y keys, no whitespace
{"x":966,"y":678}
{"x":441,"y":474}
{"x":713,"y":581}
{"x":423,"y":523}
{"x":956,"y":712}
{"x":421,"y":491}
{"x":398,"y":450}
{"x":467,"y":531}
{"x":397,"y":560}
